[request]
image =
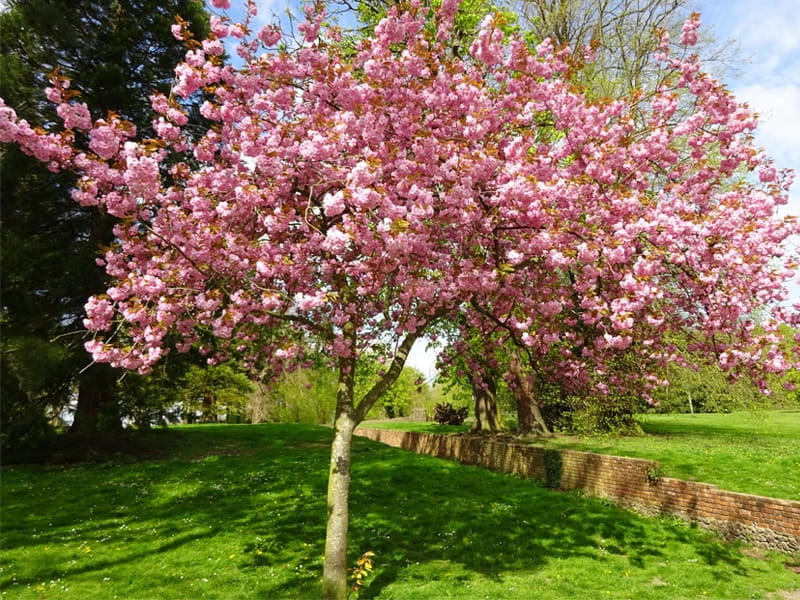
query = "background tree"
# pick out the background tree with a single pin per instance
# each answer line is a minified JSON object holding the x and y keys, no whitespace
{"x":472,"y":361}
{"x":303,"y":395}
{"x":623,"y":37}
{"x":622,"y":34}
{"x":359,"y":198}
{"x":214,"y":393}
{"x":117,"y":52}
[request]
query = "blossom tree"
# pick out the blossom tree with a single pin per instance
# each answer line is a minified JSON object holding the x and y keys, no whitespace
{"x":357,"y":197}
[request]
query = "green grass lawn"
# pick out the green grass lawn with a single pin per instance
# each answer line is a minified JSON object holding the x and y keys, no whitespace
{"x":754,"y":453}
{"x":238,"y":511}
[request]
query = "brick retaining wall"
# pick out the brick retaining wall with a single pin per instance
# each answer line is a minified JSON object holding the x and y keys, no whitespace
{"x":630,"y":482}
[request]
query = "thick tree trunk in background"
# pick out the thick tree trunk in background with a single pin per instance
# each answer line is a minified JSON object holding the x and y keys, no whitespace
{"x":487,"y":414}
{"x":525,"y":420}
{"x":529,"y":416}
{"x":97,"y":410}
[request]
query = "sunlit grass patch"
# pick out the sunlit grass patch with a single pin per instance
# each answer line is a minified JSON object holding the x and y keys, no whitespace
{"x":750,"y":452}
{"x":239,"y":512}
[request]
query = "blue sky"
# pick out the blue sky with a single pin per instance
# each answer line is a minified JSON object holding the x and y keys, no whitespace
{"x":768,"y":35}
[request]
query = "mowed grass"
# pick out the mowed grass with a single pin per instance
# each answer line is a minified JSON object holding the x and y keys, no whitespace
{"x":749,"y":452}
{"x":238,"y":511}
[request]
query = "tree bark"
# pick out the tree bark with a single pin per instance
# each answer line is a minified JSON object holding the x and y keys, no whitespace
{"x":487,"y":414}
{"x":348,"y":416}
{"x":529,"y":416}
{"x":334,"y":576}
{"x":96,"y":410}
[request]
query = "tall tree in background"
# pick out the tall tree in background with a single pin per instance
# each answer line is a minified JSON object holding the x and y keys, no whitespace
{"x":358,"y":198}
{"x":117,"y":52}
{"x":623,"y":34}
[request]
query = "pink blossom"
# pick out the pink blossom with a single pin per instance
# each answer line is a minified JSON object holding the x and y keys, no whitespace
{"x":219,"y":26}
{"x":689,"y":33}
{"x":75,"y":115}
{"x":142,"y":176}
{"x":270,"y":35}
{"x":333,"y":204}
{"x":104,"y":140}
{"x":213,"y":47}
{"x":336,"y":241}
{"x":307,"y":302}
{"x":346,"y":201}
{"x":550,"y":309}
{"x":100,"y":313}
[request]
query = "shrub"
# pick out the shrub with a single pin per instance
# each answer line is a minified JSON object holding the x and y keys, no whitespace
{"x":445,"y":414}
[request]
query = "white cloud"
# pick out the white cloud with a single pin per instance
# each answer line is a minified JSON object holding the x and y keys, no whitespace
{"x":766,"y":25}
{"x":779,"y":110}
{"x":768,"y":72}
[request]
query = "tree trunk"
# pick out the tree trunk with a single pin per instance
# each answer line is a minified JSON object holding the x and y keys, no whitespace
{"x":348,"y":416}
{"x":525,"y":420}
{"x":487,"y":414}
{"x":334,"y":576}
{"x":96,"y":410}
{"x":529,"y":416}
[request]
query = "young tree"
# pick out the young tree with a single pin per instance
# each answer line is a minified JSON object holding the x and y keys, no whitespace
{"x":358,"y":198}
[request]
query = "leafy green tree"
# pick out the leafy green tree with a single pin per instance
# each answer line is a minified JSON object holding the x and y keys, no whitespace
{"x":622,"y":34}
{"x":397,"y":399}
{"x":705,"y":388}
{"x":214,"y":392}
{"x":308,"y":395}
{"x":117,"y":52}
{"x":304,"y":395}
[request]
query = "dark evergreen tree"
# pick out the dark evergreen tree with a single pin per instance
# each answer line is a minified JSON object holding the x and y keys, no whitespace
{"x":116,"y":52}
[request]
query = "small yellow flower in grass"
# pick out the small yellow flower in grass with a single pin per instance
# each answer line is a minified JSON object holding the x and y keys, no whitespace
{"x":232,"y":556}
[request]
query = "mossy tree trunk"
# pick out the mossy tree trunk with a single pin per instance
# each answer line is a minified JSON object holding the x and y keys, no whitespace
{"x":348,"y":416}
{"x":529,"y":415}
{"x":487,"y":413}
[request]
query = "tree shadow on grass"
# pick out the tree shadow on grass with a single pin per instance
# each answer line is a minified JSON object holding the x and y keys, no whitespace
{"x":264,"y":494}
{"x":64,"y":519}
{"x":412,"y":509}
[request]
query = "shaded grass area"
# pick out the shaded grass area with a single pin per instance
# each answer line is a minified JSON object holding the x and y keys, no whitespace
{"x":238,"y":511}
{"x":750,"y":452}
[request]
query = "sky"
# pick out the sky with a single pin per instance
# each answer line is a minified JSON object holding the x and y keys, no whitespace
{"x":768,"y":79}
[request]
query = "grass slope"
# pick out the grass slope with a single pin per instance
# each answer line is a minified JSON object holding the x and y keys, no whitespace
{"x":238,"y":511}
{"x":754,"y":453}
